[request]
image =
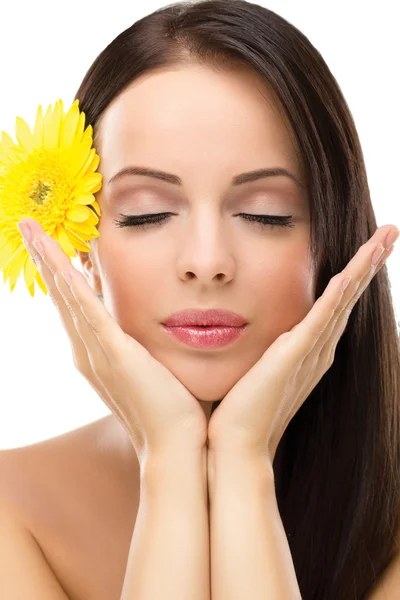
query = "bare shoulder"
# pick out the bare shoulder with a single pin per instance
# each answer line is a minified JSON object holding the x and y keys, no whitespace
{"x":50,"y":468}
{"x":77,"y":494}
{"x":24,"y":571}
{"x":388,"y":585}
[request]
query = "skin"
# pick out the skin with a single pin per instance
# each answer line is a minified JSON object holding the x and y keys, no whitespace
{"x":206,"y":127}
{"x":313,"y":335}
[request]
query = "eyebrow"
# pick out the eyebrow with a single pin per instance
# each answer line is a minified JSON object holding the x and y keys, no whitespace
{"x":237,"y":180}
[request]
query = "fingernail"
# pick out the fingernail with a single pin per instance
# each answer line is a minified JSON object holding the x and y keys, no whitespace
{"x":25,"y":230}
{"x":67,"y":277}
{"x":391,"y":238}
{"x":377,"y":254}
{"x":345,"y":282}
{"x":39,"y":247}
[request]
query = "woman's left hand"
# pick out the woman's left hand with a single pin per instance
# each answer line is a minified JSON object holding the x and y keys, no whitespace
{"x":255,"y":413}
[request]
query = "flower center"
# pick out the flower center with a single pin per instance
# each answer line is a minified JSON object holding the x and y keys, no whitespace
{"x":40,"y":193}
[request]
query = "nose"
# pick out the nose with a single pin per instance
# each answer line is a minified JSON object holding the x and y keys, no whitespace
{"x":206,"y":254}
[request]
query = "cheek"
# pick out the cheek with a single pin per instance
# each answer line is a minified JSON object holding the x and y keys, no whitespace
{"x":284,"y":293}
{"x":130,"y":283}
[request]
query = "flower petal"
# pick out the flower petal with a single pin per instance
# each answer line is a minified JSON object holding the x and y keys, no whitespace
{"x":84,"y":199}
{"x":41,"y":283}
{"x":94,"y":164}
{"x":97,"y":207}
{"x":7,"y":148}
{"x":84,"y":230}
{"x":69,"y":127}
{"x":85,"y":168}
{"x":24,"y":134}
{"x":51,"y":127}
{"x":64,"y":241}
{"x":16,"y":264}
{"x":93,"y":219}
{"x":6,"y":253}
{"x":78,"y":213}
{"x":88,"y":133}
{"x":31,"y":289}
{"x":90,"y":183}
{"x":30,"y":270}
{"x":79,"y":129}
{"x":38,"y":128}
{"x":76,"y":240}
{"x":79,"y":158}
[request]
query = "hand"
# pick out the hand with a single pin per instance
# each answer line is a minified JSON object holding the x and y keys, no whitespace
{"x":157,"y":411}
{"x":256,"y":412}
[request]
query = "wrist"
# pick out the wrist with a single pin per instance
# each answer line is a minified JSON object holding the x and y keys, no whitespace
{"x":239,"y":465}
{"x":157,"y":466}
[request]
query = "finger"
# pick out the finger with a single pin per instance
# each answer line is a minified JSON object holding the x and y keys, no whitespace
{"x":328,"y":340}
{"x":89,"y":356}
{"x":309,"y":336}
{"x":116,"y":359}
{"x":58,"y":292}
{"x":339,"y":304}
{"x":50,"y":267}
{"x":89,"y":313}
{"x":337,"y":327}
{"x":96,"y":327}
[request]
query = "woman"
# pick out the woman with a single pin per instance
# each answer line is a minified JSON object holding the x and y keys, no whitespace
{"x":303,"y":455}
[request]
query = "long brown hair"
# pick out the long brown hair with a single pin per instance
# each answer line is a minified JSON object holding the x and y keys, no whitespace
{"x":337,"y":467}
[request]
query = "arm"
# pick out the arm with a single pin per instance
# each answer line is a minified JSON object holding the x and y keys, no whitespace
{"x":169,"y":553}
{"x":24,"y":570}
{"x":250,"y":555}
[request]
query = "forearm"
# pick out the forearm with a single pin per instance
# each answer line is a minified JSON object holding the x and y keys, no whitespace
{"x":250,"y":555}
{"x":169,"y":552}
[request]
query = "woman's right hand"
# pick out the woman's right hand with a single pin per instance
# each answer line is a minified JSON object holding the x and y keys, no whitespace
{"x":157,"y":410}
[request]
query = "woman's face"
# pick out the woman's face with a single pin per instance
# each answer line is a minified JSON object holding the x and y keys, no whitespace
{"x":205,"y":127}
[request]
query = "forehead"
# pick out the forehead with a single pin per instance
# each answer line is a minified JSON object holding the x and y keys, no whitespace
{"x":194,"y":116}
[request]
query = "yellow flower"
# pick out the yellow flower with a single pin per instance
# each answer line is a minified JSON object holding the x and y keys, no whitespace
{"x":48,"y":175}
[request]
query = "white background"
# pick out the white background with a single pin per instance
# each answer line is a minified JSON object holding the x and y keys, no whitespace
{"x":45,"y":52}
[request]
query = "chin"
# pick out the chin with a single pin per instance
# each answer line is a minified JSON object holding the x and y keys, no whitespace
{"x":207,"y":378}
{"x":207,"y":391}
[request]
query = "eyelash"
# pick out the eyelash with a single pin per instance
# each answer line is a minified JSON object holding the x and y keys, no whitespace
{"x":141,"y":221}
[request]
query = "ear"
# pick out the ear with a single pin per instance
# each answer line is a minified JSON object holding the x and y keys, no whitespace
{"x":90,"y":270}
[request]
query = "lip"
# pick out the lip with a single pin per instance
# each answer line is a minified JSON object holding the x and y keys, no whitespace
{"x":205,"y":337}
{"x":210,"y":317}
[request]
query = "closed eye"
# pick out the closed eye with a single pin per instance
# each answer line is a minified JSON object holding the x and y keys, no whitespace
{"x":159,"y":218}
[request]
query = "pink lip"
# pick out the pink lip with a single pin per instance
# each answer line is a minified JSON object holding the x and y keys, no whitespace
{"x":205,"y":337}
{"x":211,"y":317}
